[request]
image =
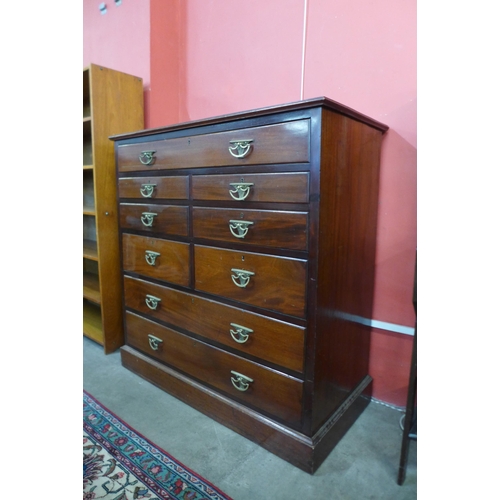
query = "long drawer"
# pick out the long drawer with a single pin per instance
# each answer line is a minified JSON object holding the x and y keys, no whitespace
{"x":161,"y":188}
{"x":287,"y":187}
{"x":286,"y":142}
{"x":277,"y":342}
{"x":167,"y":219}
{"x":276,"y":283}
{"x":272,"y":228}
{"x":161,"y":259}
{"x":256,"y":385}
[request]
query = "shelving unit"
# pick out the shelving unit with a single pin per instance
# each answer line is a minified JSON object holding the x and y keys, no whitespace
{"x":113,"y":103}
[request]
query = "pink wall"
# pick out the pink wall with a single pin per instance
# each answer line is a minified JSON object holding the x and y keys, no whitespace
{"x":119,"y":39}
{"x":211,"y":57}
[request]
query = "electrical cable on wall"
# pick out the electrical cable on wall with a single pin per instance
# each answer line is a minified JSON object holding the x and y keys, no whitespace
{"x":304,"y":34}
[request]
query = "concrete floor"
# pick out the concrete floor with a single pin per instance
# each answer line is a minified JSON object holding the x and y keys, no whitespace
{"x":364,"y":465}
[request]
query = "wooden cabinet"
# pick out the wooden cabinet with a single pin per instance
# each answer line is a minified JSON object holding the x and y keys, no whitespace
{"x":248,"y":258}
{"x":112,"y":103}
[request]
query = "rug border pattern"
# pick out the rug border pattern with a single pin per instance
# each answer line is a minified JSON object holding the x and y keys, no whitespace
{"x":204,"y":486}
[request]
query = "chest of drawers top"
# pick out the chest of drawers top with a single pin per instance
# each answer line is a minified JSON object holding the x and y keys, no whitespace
{"x":273,"y":135}
{"x":243,"y":236}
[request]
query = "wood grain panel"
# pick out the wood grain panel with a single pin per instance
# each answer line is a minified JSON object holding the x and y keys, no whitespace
{"x":271,"y":340}
{"x":169,"y":219}
{"x":272,"y":228}
{"x":172,"y":263}
{"x":281,"y":143}
{"x":349,"y":204}
{"x":173,"y":187}
{"x":289,"y":187}
{"x":278,"y":283}
{"x":271,"y":391}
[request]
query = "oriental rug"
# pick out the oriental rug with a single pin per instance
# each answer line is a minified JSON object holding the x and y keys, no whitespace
{"x":121,"y":464}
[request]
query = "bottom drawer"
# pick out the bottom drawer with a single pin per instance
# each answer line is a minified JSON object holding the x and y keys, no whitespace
{"x":255,"y":385}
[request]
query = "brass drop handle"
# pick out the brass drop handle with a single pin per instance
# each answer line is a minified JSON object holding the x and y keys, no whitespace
{"x":151,"y":257}
{"x":152,"y":301}
{"x":241,"y":190}
{"x":239,"y":228}
{"x":154,"y":342}
{"x":240,"y":333}
{"x":240,"y":382}
{"x":146,"y":157}
{"x":147,"y":218}
{"x":240,"y":277}
{"x":147,"y":190}
{"x":240,"y":148}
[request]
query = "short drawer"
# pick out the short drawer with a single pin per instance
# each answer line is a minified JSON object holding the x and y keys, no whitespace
{"x":252,"y":384}
{"x":272,"y":228}
{"x":266,"y":338}
{"x":286,"y":142}
{"x":161,"y":188}
{"x":276,"y":283}
{"x":167,"y":219}
{"x":157,"y":258}
{"x":289,"y":187}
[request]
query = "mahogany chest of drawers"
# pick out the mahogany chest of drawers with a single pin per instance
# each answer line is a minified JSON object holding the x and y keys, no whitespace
{"x":248,"y":250}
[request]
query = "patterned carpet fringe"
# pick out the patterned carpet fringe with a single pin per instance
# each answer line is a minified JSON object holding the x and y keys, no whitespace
{"x":120,"y":464}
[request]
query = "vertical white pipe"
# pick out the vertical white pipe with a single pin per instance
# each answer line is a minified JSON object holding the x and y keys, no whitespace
{"x":303,"y":52}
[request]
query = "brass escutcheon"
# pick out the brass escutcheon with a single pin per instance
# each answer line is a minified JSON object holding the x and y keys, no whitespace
{"x":240,"y":333}
{"x":150,"y":257}
{"x":239,"y":228}
{"x":241,"y":148}
{"x":154,"y":342}
{"x":146,"y":157}
{"x":147,"y":218}
{"x":241,"y":190}
{"x":152,"y":301}
{"x":147,"y":190}
{"x":240,"y":382}
{"x":240,"y":277}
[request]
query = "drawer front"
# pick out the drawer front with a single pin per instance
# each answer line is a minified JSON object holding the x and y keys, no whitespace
{"x":160,"y":188}
{"x":157,"y":258}
{"x":262,"y":388}
{"x":168,"y":219}
{"x":286,"y":142}
{"x":262,"y":227}
{"x":271,"y":340}
{"x":276,"y":283}
{"x":274,"y":188}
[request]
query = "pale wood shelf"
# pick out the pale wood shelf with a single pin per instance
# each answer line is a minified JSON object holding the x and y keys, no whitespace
{"x":91,"y":289}
{"x":88,"y":210}
{"x":113,"y":103}
{"x":90,"y":249}
{"x":92,"y":323}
